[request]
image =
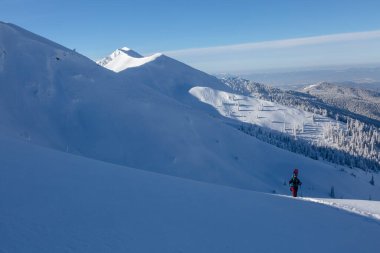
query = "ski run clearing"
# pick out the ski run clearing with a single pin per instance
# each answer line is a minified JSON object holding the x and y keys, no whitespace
{"x":248,"y":109}
{"x":57,"y":202}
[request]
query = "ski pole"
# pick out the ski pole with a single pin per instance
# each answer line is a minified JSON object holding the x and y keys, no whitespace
{"x":301,"y":190}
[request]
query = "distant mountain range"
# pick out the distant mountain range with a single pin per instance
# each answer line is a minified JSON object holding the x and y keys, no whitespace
{"x":356,"y":100}
{"x":365,"y":76}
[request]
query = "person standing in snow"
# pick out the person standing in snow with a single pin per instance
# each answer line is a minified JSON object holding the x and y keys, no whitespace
{"x":294,"y":182}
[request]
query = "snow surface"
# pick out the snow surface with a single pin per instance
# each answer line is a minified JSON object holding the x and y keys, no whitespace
{"x":57,"y":202}
{"x":370,"y":209}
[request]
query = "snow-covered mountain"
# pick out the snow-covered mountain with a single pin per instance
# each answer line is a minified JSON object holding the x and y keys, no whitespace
{"x":55,"y":97}
{"x":356,"y":100}
{"x":160,"y":72}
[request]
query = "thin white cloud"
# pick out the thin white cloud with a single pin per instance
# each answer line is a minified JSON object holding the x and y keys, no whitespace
{"x":277,"y":44}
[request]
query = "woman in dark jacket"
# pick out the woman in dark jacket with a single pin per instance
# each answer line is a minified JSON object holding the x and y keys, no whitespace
{"x":294,"y":182}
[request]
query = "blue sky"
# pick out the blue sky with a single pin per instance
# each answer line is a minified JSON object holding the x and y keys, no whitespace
{"x":95,"y":28}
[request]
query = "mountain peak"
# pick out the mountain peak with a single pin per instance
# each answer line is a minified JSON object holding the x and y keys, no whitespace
{"x":124,"y":52}
{"x":124,"y":58}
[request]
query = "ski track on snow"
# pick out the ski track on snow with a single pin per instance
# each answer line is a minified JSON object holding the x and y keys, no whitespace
{"x":369,"y":209}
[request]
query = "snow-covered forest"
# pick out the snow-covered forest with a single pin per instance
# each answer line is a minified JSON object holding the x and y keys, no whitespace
{"x":350,"y":153}
{"x":344,"y":141}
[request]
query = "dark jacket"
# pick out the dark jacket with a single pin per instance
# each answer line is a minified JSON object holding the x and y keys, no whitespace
{"x":294,"y":182}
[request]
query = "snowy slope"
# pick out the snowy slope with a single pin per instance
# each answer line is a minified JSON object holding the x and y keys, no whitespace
{"x":56,"y":202}
{"x":54,"y":97}
{"x":248,"y":109}
{"x":41,"y":86}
